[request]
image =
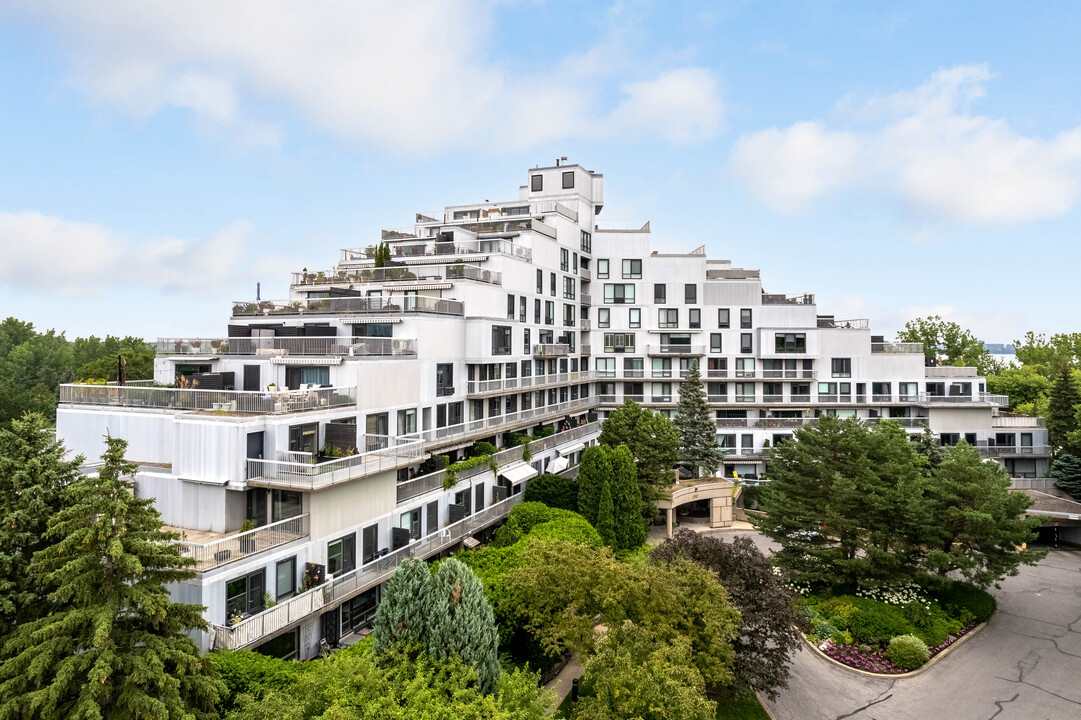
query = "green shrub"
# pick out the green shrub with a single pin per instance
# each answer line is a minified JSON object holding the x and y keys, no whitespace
{"x":839,"y":607}
{"x":907,"y":652}
{"x":823,"y":630}
{"x":958,"y":597}
{"x":252,"y":673}
{"x":841,"y":637}
{"x":540,"y":520}
{"x":481,"y":448}
{"x":839,"y":621}
{"x":876,"y":622}
{"x":432,"y":464}
{"x":554,"y":491}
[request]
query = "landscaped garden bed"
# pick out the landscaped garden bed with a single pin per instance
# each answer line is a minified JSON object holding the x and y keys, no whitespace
{"x":893,"y":630}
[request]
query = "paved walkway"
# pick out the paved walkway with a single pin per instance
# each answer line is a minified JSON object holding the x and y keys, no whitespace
{"x":1025,"y":665}
{"x":561,"y":683}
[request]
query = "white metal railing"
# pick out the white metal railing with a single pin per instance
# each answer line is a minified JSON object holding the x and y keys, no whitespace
{"x":1017,"y":421}
{"x":340,"y":276}
{"x":443,"y":435}
{"x":262,"y":625}
{"x":235,"y":547}
{"x":548,"y":350}
{"x":380,"y":452}
{"x":350,"y":305}
{"x":981,"y":398}
{"x":345,"y":346}
{"x":855,"y":324}
{"x":676,"y":349}
{"x":434,"y":481}
{"x":778,"y":299}
{"x":465,"y":271}
{"x":411,"y":247}
{"x":897,"y":348}
{"x":237,"y":401}
{"x":480,"y":387}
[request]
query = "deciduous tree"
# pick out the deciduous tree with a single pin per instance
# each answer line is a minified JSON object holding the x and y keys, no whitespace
{"x":653,"y":441}
{"x":946,"y":340}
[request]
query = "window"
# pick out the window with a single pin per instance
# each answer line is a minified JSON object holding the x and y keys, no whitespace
{"x":745,"y":318}
{"x":632,"y":269}
{"x":568,"y":180}
{"x":587,"y":242}
{"x":635,"y":318}
{"x":284,"y":504}
{"x":715,"y":342}
{"x":478,"y":497}
{"x":722,"y":318}
{"x":297,"y":376}
{"x":285,"y":578}
{"x":536,"y":183}
{"x":521,"y":308}
{"x":444,"y":378}
{"x":668,"y":318}
{"x":244,"y":595}
{"x":790,"y":342}
{"x":342,"y":555}
{"x":602,"y":269}
{"x":603,"y":318}
{"x":564,"y":259}
{"x":690,"y":293}
{"x":410,"y":521}
{"x":536,"y":311}
{"x":660,"y":293}
{"x":358,"y":611}
{"x":540,"y":281}
{"x":501,"y":339}
{"x":431,"y":510}
{"x":574,"y":262}
{"x":841,"y":367}
{"x":882,"y":389}
{"x":568,"y":315}
{"x":568,"y":288}
{"x":619,"y":294}
{"x":549,"y":312}
{"x":510,"y":307}
{"x":907,"y":390}
{"x":552,"y":284}
{"x":619,"y":342}
{"x":695,"y":320}
{"x":745,"y":344}
{"x":525,"y":342}
{"x":407,"y":421}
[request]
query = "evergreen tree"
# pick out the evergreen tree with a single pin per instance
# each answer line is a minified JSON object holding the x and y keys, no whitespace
{"x":33,"y":474}
{"x":464,"y":624}
{"x":630,"y":528}
{"x":606,"y":524}
{"x":1066,"y":470}
{"x":653,"y":441}
{"x":405,"y":612}
{"x":930,"y":449}
{"x":697,"y":429}
{"x":1061,"y":410}
{"x":112,"y":644}
{"x":594,"y":470}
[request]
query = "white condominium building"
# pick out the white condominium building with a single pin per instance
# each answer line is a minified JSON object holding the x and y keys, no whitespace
{"x":310,"y":418}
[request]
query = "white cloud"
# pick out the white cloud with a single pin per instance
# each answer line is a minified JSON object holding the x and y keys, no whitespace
{"x":926,"y":150}
{"x":408,"y":77}
{"x":53,"y":256}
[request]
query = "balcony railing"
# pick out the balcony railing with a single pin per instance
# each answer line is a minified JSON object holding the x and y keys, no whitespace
{"x":465,"y":271}
{"x":584,"y":325}
{"x":716,"y":374}
{"x":1002,"y":450}
{"x":433,"y":247}
{"x":897,"y":348}
{"x":230,"y":401}
{"x":485,"y":426}
{"x":662,"y":374}
{"x":380,"y":453}
{"x":772,"y":398}
{"x":344,"y":346}
{"x":745,"y":398}
{"x":414,"y":273}
{"x":717,"y":398}
{"x":585,"y":299}
{"x":483,"y":387}
{"x":586,"y":275}
{"x":585,"y":350}
{"x":661,"y":398}
{"x":670,"y":349}
{"x":805,"y":299}
{"x":1017,"y":421}
{"x":351,"y":305}
{"x":799,"y":398}
{"x":551,"y":350}
{"x":288,"y":612}
{"x":634,"y":374}
{"x":731,"y":422}
{"x":226,"y":550}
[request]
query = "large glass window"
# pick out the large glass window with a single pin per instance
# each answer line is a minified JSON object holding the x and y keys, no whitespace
{"x":342,"y":555}
{"x":568,"y":180}
{"x":444,"y":375}
{"x":285,"y":578}
{"x":745,"y":318}
{"x":568,"y":288}
{"x":603,"y":317}
{"x":690,"y":293}
{"x":790,"y":342}
{"x":619,"y":294}
{"x":619,"y":342}
{"x":668,"y":318}
{"x":564,"y":259}
{"x":602,"y":269}
{"x":510,"y":307}
{"x":694,"y":317}
{"x":723,"y":318}
{"x":501,"y":340}
{"x":540,"y":281}
{"x":297,"y":376}
{"x":745,"y":343}
{"x":715,"y":342}
{"x":407,"y":421}
{"x":660,"y":293}
{"x":841,"y":367}
{"x":635,"y":318}
{"x":549,"y":312}
{"x":632,"y":269}
{"x":244,"y":595}
{"x":536,"y":183}
{"x":284,"y":504}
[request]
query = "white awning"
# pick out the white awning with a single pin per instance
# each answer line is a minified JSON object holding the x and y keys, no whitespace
{"x":517,"y":472}
{"x":570,"y":449}
{"x":423,"y":286}
{"x":558,"y":465}
{"x":295,"y":360}
{"x":192,"y":359}
{"x":374,"y":321}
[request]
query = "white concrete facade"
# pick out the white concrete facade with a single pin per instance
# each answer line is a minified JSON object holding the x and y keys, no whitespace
{"x":490,"y":318}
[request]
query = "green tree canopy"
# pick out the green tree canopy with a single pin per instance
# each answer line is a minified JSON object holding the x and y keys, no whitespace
{"x":1066,"y":470}
{"x":1026,"y":386}
{"x":697,"y":428}
{"x":630,"y":528}
{"x":1062,"y":409}
{"x":462,"y":622}
{"x":1038,"y":351}
{"x":554,"y":491}
{"x":606,"y":524}
{"x":946,"y":340}
{"x":594,"y":471}
{"x":653,"y":441}
{"x":404,"y":614}
{"x":112,"y":644}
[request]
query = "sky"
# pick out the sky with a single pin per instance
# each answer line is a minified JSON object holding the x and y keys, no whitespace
{"x":896,"y":159}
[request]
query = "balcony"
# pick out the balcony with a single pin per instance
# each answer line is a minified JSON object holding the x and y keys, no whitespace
{"x":662,"y":374}
{"x":745,"y":398}
{"x":710,"y":374}
{"x":717,"y":399}
{"x":805,"y":299}
{"x":551,"y":350}
{"x":585,"y":274}
{"x":856,"y":324}
{"x":365,"y":275}
{"x":585,"y":300}
{"x":881,"y":398}
{"x":676,"y":349}
{"x":976,"y":399}
{"x":194,"y":399}
{"x":897,"y":348}
{"x":381,"y":453}
{"x":634,"y":374}
{"x":772,"y":398}
{"x":263,"y":625}
{"x":485,"y":387}
{"x":229,"y":549}
{"x":315,"y":346}
{"x":799,"y":398}
{"x":664,"y":398}
{"x":461,"y":432}
{"x":1004,"y":450}
{"x":788,"y":374}
{"x":1006,"y":421}
{"x":350,"y":306}
{"x":465,"y":271}
{"x":410,"y":247}
{"x":732,"y":422}
{"x":744,"y":373}
{"x":584,"y":325}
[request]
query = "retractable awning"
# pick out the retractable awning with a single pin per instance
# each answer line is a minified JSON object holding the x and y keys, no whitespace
{"x":517,"y":472}
{"x":559,"y":464}
{"x":570,"y":449}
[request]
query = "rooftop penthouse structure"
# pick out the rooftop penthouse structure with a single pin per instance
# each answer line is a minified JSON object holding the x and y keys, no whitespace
{"x":311,"y":418}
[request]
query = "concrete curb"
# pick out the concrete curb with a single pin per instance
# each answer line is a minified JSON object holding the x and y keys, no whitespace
{"x":919,"y":671}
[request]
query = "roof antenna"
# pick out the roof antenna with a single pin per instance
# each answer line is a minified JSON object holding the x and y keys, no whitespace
{"x":258,"y":287}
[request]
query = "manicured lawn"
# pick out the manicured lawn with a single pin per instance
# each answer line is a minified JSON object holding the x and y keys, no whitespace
{"x":742,"y":708}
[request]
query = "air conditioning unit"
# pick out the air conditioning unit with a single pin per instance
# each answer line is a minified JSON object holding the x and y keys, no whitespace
{"x":400,"y":346}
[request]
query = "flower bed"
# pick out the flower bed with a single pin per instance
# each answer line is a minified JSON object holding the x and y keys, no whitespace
{"x":875,"y":660}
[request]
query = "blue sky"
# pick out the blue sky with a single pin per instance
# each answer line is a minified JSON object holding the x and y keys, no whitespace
{"x":158,"y":159}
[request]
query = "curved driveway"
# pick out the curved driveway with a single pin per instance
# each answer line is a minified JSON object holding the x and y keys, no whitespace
{"x":1025,"y":665}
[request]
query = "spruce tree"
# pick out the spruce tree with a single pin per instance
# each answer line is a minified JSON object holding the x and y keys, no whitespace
{"x":697,"y":430}
{"x":929,"y":448}
{"x":405,"y":611}
{"x":1061,"y":409}
{"x":464,"y":624}
{"x":594,"y":470}
{"x":606,"y":524}
{"x":33,"y":474}
{"x":112,"y":644}
{"x":1066,"y":470}
{"x":630,"y":527}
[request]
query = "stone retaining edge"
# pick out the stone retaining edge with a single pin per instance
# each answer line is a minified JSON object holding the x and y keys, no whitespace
{"x":930,"y":663}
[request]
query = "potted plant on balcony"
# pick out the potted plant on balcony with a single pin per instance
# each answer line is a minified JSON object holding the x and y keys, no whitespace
{"x":247,"y":542}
